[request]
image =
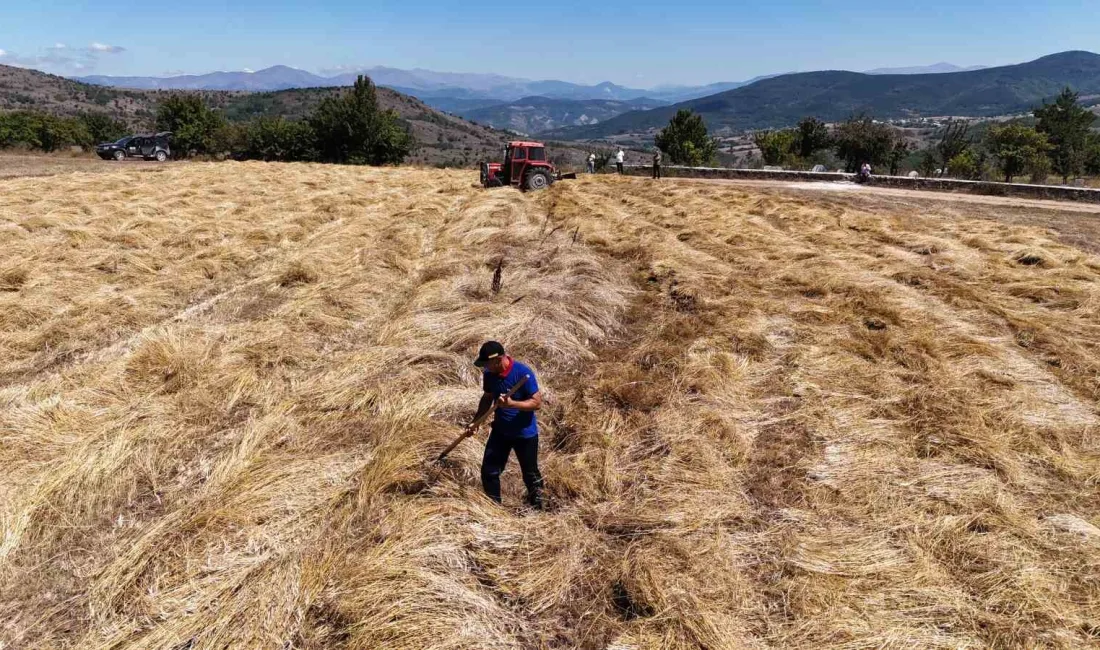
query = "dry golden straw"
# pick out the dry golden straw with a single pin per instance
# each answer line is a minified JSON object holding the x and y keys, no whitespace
{"x":774,"y":419}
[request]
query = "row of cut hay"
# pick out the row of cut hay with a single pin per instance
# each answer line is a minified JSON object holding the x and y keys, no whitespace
{"x":770,"y":422}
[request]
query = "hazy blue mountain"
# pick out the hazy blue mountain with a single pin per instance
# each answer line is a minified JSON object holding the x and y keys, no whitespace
{"x":279,"y":77}
{"x":835,"y":95}
{"x":935,"y":68}
{"x":443,"y":88}
{"x":533,"y":115}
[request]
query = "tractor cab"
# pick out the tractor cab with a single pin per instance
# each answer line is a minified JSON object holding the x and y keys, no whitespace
{"x":525,"y":166}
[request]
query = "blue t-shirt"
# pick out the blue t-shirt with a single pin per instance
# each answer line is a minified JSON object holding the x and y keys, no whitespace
{"x":513,"y":422}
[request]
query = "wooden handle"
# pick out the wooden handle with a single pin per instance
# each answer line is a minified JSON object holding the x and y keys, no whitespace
{"x":481,"y":418}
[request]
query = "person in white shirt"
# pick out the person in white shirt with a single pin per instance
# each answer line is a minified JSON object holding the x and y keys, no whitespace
{"x":591,"y":163}
{"x":619,"y":159}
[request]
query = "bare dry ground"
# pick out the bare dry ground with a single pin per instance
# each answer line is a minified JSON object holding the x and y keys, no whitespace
{"x":14,"y":165}
{"x":774,"y":419}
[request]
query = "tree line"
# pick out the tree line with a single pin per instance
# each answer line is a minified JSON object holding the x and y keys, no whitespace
{"x":348,"y":128}
{"x":1060,"y":142}
{"x":44,"y":132}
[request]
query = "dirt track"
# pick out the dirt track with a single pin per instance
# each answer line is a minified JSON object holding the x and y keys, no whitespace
{"x":920,"y":197}
{"x":1071,"y":222}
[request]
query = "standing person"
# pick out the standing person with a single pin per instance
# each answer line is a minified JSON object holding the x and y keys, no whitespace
{"x":514,"y":425}
{"x":620,"y":158}
{"x":592,"y":163}
{"x":657,"y":163}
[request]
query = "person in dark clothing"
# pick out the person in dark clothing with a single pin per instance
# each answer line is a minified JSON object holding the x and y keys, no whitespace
{"x":657,"y":163}
{"x":514,"y":424}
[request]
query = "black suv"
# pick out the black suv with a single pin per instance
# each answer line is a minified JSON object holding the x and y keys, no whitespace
{"x":148,"y":147}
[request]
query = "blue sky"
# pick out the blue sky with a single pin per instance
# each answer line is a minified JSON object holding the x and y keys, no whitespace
{"x":640,"y":43}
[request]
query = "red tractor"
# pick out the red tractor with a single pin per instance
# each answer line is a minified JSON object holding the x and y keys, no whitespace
{"x":525,"y":166}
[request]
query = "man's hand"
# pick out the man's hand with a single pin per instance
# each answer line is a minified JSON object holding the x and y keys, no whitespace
{"x":505,"y":403}
{"x":471,"y":429}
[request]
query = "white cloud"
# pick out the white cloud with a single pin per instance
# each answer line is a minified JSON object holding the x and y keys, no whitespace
{"x":59,"y":58}
{"x":106,"y":49}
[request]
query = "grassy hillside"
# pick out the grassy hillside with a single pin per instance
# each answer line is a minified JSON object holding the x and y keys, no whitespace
{"x":22,"y":89}
{"x":772,"y":419}
{"x":833,"y":95}
{"x":442,"y":138}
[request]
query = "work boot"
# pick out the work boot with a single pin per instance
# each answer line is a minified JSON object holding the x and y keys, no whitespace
{"x":534,"y":499}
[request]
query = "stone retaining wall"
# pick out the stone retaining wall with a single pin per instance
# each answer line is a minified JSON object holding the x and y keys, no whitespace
{"x":1052,"y":192}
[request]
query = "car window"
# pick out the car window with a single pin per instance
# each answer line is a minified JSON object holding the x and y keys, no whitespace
{"x":537,"y":153}
{"x":135,"y":142}
{"x":519,"y":153}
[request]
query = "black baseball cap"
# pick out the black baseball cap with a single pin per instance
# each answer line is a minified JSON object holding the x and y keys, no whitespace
{"x":489,"y":350}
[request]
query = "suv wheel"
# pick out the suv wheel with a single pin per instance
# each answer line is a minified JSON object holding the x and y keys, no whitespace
{"x":537,"y":180}
{"x":161,"y":156}
{"x":120,"y":155}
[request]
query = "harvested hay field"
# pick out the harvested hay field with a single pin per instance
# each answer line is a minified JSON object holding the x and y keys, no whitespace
{"x":34,"y":164}
{"x":772,"y":420}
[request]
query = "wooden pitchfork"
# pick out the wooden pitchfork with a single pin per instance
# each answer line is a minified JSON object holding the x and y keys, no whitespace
{"x":479,"y":420}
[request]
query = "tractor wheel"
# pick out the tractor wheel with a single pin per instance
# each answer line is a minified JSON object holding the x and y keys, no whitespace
{"x":119,"y":155}
{"x":537,"y":180}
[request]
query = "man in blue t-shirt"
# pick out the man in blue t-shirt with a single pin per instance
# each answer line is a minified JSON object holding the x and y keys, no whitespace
{"x":514,"y":425}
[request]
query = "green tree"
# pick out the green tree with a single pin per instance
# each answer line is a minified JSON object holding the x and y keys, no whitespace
{"x":1066,"y":125}
{"x":954,"y":140}
{"x":928,"y":162}
{"x":1092,"y":154}
{"x":274,"y":138}
{"x":352,"y":128}
{"x":965,"y":165}
{"x":685,"y":140}
{"x":861,"y":140}
{"x":36,"y":130}
{"x":777,"y":147}
{"x":60,"y":132}
{"x":813,"y":136}
{"x":1038,"y":170}
{"x":194,"y":125}
{"x":1015,"y":147}
{"x":102,"y":127}
{"x":898,"y":153}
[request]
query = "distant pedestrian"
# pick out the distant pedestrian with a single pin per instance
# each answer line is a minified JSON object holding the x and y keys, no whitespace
{"x":865,"y":173}
{"x":591,"y":163}
{"x":657,"y":163}
{"x":620,"y":158}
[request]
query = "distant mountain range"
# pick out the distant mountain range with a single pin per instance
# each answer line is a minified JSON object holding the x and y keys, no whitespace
{"x":836,"y":95}
{"x":532,"y":115}
{"x":506,"y":102}
{"x":426,"y":85}
{"x":935,"y":68}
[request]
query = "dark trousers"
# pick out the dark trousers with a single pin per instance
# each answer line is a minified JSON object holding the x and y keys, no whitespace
{"x":619,"y":166}
{"x":497,"y":450}
{"x":656,"y":170}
